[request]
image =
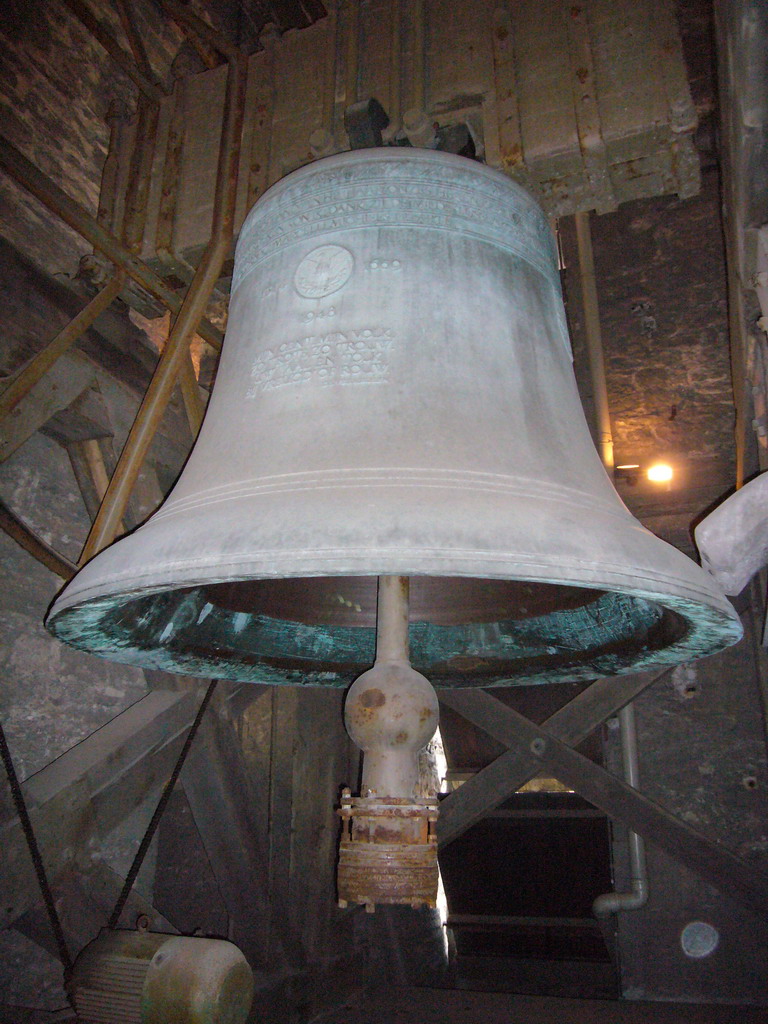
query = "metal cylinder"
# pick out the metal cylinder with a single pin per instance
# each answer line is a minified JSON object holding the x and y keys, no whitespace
{"x":395,"y":397}
{"x":140,"y":977}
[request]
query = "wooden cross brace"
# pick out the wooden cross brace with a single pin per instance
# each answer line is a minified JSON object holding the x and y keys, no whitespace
{"x":550,"y":746}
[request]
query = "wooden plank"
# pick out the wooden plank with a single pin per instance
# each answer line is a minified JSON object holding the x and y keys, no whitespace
{"x":506,"y":152}
{"x":219,"y":793}
{"x":29,"y":540}
{"x":511,"y":921}
{"x":87,"y":418}
{"x":320,"y":770}
{"x":281,"y":814}
{"x":419,"y":1005}
{"x":547,"y":812}
{"x":66,"y":380}
{"x":27,"y":1015}
{"x":90,"y":789}
{"x":702,"y":854}
{"x":89,"y":467}
{"x":504,"y":776}
{"x":586,"y":108}
{"x":86,"y":896}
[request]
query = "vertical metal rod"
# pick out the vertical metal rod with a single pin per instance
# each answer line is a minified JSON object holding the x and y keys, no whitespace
{"x":79,"y":219}
{"x":419,"y":90}
{"x":353,"y":29}
{"x":177,"y":348}
{"x":329,"y":71}
{"x":594,"y":339}
{"x":613,"y":902}
{"x":737,"y":350}
{"x":392,"y":619}
{"x":43,"y":361}
{"x":395,"y":67}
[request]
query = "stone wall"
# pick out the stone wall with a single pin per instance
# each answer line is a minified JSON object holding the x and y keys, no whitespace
{"x":663,"y":311}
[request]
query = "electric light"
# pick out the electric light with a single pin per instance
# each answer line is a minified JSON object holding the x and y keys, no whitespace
{"x":660,"y":473}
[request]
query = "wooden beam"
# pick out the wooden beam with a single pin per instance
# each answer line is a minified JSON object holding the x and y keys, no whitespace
{"x":90,"y":789}
{"x":504,"y":776}
{"x":387,"y":1002}
{"x":93,"y":786}
{"x":65,"y":381}
{"x":28,"y":1015}
{"x":218,"y":789}
{"x":86,"y":896}
{"x":77,"y":217}
{"x":39,"y":365}
{"x":149,"y":87}
{"x":702,"y":854}
{"x":484,"y":921}
{"x":283,"y":749}
{"x":29,"y":540}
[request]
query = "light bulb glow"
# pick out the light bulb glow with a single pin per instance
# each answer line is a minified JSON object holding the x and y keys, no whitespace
{"x":660,"y":473}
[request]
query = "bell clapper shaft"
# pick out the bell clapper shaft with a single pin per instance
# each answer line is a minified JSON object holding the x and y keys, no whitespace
{"x":388,"y":852}
{"x":391,"y":710}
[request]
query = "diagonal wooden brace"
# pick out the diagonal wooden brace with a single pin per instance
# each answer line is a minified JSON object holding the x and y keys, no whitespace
{"x":708,"y":858}
{"x":511,"y":770}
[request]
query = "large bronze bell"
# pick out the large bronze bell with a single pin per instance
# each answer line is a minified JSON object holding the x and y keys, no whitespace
{"x":395,"y":397}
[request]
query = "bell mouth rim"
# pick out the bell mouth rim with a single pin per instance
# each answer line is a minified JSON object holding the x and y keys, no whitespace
{"x":685,"y":628}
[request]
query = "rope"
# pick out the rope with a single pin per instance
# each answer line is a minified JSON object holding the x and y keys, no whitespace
{"x":34,"y":851}
{"x":161,"y":805}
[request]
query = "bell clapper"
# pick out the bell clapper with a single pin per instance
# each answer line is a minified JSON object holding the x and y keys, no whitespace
{"x":388,"y":850}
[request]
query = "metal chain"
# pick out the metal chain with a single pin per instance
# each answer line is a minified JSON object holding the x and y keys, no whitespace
{"x":34,"y":851}
{"x":155,"y":820}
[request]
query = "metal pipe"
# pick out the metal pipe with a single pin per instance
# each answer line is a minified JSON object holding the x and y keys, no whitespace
{"x":594,"y":340}
{"x":124,"y":60}
{"x":613,"y":902}
{"x":158,"y":393}
{"x":72,"y":213}
{"x":392,"y":616}
{"x":43,"y":361}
